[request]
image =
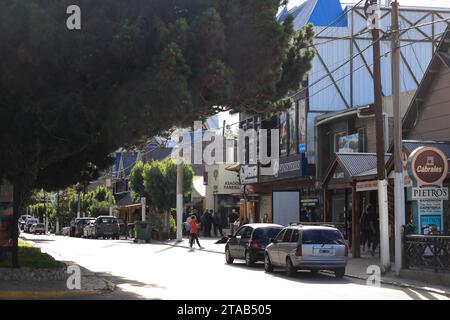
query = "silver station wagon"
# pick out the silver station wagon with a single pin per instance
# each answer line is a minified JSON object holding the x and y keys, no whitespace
{"x":314,"y":248}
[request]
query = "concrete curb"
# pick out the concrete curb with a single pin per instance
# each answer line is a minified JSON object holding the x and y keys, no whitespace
{"x":109,"y":286}
{"x":46,"y":294}
{"x":402,"y":285}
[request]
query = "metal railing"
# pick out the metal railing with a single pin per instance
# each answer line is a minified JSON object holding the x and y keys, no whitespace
{"x":427,"y":252}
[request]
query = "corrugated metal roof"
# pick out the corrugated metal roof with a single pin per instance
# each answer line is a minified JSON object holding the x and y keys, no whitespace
{"x":320,"y":13}
{"x":117,"y":164}
{"x":128,"y":161}
{"x":159,"y":154}
{"x":413,"y":145}
{"x":123,"y":199}
{"x":356,"y":164}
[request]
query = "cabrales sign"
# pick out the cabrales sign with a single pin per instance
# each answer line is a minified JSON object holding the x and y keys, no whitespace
{"x":428,"y":166}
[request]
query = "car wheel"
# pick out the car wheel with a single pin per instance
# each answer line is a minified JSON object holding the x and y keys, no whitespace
{"x":228,"y":256}
{"x":290,"y":270}
{"x":249,"y":259}
{"x":267,"y":264}
{"x":339,"y":273}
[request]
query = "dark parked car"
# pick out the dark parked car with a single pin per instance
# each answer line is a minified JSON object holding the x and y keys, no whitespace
{"x":107,"y":227}
{"x":250,"y":241}
{"x":29,"y":223}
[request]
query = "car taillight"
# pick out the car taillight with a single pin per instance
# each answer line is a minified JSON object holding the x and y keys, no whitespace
{"x":254,"y":245}
{"x":298,"y":252}
{"x":346,"y":250}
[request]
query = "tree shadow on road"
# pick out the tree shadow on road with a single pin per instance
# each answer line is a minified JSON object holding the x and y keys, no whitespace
{"x":300,"y":277}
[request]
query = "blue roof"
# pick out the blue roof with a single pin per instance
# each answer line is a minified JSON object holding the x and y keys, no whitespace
{"x":320,"y":13}
{"x":129,"y":160}
{"x":117,"y":163}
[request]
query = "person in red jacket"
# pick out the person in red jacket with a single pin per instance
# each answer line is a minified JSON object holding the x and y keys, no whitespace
{"x":193,"y":235}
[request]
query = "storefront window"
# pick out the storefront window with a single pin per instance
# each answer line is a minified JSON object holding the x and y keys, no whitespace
{"x":292,"y":130}
{"x":283,"y":133}
{"x":301,"y":106}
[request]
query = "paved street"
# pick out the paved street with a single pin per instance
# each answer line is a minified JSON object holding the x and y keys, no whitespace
{"x":157,"y":271}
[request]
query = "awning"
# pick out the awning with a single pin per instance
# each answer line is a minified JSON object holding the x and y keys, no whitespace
{"x":234,"y":167}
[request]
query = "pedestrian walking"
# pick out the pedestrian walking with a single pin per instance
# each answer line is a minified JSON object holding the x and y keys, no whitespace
{"x":217,"y":221}
{"x":208,"y":223}
{"x":193,"y":233}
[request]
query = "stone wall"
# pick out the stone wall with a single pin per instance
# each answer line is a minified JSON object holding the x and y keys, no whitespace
{"x":33,"y":274}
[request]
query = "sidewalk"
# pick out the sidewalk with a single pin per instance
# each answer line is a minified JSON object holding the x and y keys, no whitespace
{"x":91,"y":284}
{"x":356,"y":268}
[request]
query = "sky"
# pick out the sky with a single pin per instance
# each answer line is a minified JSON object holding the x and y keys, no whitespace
{"x":417,"y":3}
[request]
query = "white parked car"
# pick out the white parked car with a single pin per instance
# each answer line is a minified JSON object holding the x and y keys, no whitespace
{"x":89,"y":230}
{"x":65,"y":231}
{"x":312,"y":248}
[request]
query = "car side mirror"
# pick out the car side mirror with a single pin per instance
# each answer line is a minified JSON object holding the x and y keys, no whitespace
{"x":273,"y":240}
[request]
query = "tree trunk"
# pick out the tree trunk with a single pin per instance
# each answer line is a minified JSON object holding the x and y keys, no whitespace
{"x":22,"y":193}
{"x":166,"y":224}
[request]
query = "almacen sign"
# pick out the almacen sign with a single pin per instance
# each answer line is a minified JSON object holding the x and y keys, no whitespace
{"x":428,"y":168}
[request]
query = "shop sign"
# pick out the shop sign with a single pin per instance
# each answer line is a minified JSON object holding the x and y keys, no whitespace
{"x":232,"y":185}
{"x":287,"y":167}
{"x":367,"y":186}
{"x":427,"y":169}
{"x":429,"y":193}
{"x":430,"y":224}
{"x":248,"y":174}
{"x":428,"y":166}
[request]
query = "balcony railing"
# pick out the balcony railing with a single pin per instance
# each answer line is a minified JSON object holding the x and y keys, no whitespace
{"x":427,"y":252}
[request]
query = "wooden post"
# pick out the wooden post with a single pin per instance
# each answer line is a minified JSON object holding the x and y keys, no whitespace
{"x":325,"y":204}
{"x":356,"y":252}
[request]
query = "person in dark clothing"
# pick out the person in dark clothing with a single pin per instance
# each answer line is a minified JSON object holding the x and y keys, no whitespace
{"x":208,"y":221}
{"x":366,"y":231}
{"x":304,"y":216}
{"x":217,"y":221}
{"x":374,"y":224}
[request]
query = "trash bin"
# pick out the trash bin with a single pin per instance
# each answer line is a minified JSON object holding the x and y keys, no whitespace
{"x":143,"y":231}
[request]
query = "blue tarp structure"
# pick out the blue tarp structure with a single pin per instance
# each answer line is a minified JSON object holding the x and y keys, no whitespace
{"x":320,"y":13}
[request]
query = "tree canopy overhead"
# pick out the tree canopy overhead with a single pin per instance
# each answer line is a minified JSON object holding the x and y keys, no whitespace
{"x":70,"y":98}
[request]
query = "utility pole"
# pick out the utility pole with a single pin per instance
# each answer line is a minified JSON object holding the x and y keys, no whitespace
{"x":180,"y":200}
{"x":110,"y":189}
{"x":372,"y":10}
{"x":399,"y":189}
{"x":78,"y":188}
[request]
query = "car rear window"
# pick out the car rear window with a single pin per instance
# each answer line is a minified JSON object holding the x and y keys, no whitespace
{"x":266,"y":233}
{"x":322,"y":237}
{"x":107,"y":220}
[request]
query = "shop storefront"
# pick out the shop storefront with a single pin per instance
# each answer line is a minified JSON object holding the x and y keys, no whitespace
{"x":223,"y":190}
{"x":284,"y":194}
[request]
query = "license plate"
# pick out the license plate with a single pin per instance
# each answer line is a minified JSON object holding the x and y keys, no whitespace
{"x":324,"y":251}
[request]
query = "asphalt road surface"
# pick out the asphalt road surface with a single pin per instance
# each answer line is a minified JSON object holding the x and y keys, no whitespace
{"x":156,"y":271}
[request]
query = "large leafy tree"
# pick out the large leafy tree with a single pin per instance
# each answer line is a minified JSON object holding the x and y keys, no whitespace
{"x":157,"y":182}
{"x":70,"y":98}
